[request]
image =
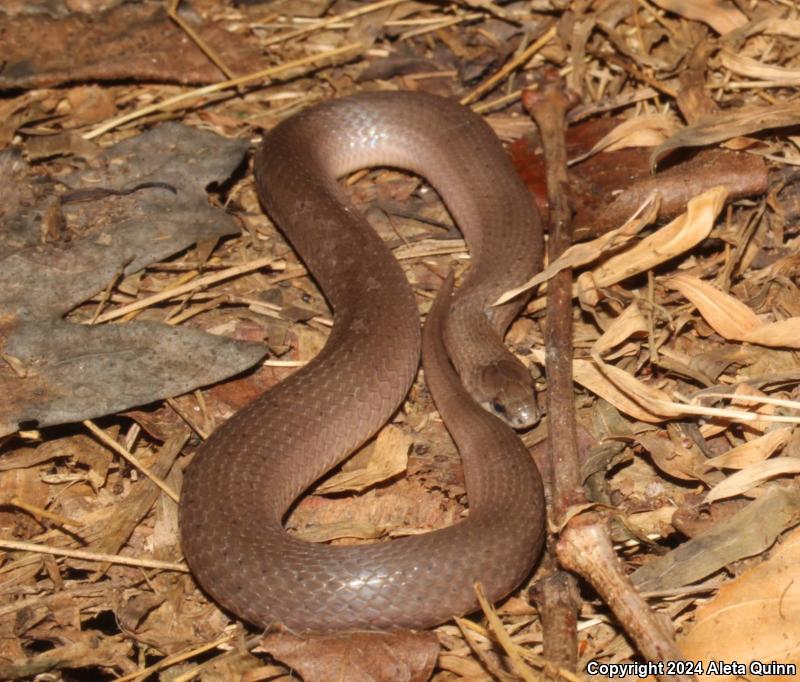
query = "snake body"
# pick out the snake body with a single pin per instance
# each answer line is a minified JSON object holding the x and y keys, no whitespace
{"x":246,"y":476}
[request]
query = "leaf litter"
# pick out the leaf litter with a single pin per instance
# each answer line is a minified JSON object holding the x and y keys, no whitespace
{"x":671,"y":317}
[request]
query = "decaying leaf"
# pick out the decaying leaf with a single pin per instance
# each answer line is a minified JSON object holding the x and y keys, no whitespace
{"x":671,"y":240}
{"x":363,"y":657}
{"x":641,"y":131}
{"x":629,"y":323}
{"x":752,"y":452}
{"x":587,"y":252}
{"x":154,"y":186}
{"x":387,"y":457}
{"x":732,"y":319}
{"x":755,"y":617}
{"x":727,"y":125}
{"x":750,"y":477}
{"x":720,"y":15}
{"x":746,"y":533}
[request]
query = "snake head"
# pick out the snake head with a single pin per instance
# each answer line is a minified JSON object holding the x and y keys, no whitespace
{"x":508,"y":392}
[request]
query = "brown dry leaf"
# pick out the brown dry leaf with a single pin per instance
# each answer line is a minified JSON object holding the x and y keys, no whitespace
{"x":755,"y":617}
{"x":643,"y":131}
{"x":720,"y":15}
{"x":777,"y":76}
{"x":752,"y":452}
{"x":587,"y":252}
{"x":727,"y":125}
{"x":780,"y":26}
{"x":623,"y":391}
{"x":728,"y":316}
{"x":672,"y":458}
{"x":628,"y":324}
{"x":732,"y":319}
{"x":743,"y":395}
{"x":587,"y":374}
{"x":349,"y":528}
{"x":748,"y":532}
{"x":386,"y":458}
{"x":683,"y":233}
{"x":357,"y":657}
{"x":749,"y":478}
{"x":748,"y":395}
{"x":782,"y":334}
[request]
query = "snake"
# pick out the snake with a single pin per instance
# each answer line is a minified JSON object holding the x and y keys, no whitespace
{"x":245,"y":478}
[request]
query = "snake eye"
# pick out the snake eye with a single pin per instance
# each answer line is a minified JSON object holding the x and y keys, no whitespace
{"x":498,"y":407}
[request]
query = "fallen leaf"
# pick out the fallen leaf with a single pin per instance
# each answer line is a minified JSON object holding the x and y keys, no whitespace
{"x":745,"y":480}
{"x":752,"y":452}
{"x":641,"y":131}
{"x":727,"y":125}
{"x":746,"y":533}
{"x":357,"y":657}
{"x":755,"y":617}
{"x":775,"y":76}
{"x":732,"y":319}
{"x":720,"y":15}
{"x":627,"y":324}
{"x":386,"y":458}
{"x":683,"y":233}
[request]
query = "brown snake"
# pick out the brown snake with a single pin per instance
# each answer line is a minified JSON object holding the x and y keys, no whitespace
{"x":248,"y":474}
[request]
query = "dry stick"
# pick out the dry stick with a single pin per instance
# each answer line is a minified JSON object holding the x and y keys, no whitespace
{"x":188,"y":98}
{"x":512,"y":65}
{"x":130,"y":458}
{"x":176,"y":658}
{"x":207,"y":280}
{"x":172,"y":13}
{"x":584,"y":546}
{"x":556,"y":592}
{"x":85,"y":555}
{"x":317,"y":26}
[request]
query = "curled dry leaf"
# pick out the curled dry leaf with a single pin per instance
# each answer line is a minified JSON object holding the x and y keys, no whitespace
{"x":777,"y":76}
{"x":745,"y":480}
{"x":653,"y":400}
{"x":589,"y":376}
{"x":629,"y":323}
{"x":752,"y":452}
{"x":587,"y":252}
{"x":728,"y":316}
{"x":672,"y":458}
{"x":753,"y":617}
{"x":623,"y":397}
{"x":643,"y":131}
{"x":747,"y":533}
{"x":683,"y":233}
{"x":727,"y":125}
{"x":387,"y":457}
{"x":732,"y":319}
{"x":719,"y":15}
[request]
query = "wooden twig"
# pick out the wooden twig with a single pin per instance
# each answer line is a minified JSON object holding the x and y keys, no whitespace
{"x":555,"y":592}
{"x":584,"y":546}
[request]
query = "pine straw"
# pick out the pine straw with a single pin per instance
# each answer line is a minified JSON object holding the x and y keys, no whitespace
{"x":674,"y":310}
